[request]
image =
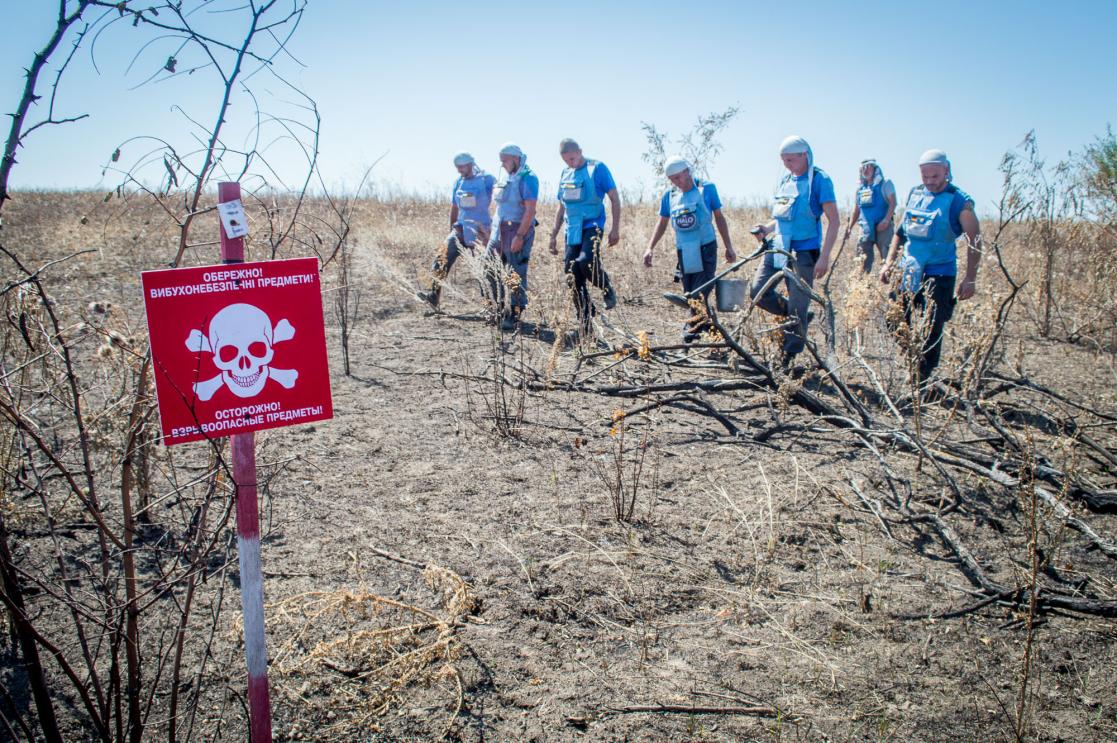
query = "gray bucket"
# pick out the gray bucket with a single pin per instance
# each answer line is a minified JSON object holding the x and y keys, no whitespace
{"x":730,"y":294}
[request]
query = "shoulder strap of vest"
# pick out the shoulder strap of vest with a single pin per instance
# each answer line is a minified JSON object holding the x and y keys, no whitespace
{"x":816,"y":197}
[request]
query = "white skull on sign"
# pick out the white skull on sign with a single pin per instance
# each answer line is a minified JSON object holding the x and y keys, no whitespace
{"x":241,"y":339}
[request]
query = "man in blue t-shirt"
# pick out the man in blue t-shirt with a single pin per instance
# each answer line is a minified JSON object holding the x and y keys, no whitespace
{"x":517,"y":194}
{"x":693,"y":209}
{"x":804,"y":195}
{"x":583,"y":186}
{"x":469,"y":221}
{"x":936,"y":214}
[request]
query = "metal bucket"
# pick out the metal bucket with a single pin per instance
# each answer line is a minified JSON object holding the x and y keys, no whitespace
{"x":730,"y":294}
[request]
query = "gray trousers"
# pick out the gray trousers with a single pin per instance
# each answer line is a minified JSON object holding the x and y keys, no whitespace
{"x":501,"y":245}
{"x":880,"y":239}
{"x":797,"y":301}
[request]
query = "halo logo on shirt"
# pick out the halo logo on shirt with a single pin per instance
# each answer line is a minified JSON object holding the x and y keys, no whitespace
{"x":685,"y":220}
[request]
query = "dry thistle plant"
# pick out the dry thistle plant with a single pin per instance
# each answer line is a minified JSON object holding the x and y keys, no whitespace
{"x":787,"y":389}
{"x":974,"y":334}
{"x":770,"y":344}
{"x":645,"y":351}
{"x":439,"y":274}
{"x":863,"y":300}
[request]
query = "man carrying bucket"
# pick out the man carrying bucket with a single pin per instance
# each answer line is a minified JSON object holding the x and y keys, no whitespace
{"x":693,"y":208}
{"x":516,"y":196}
{"x":873,"y":207}
{"x":937,"y":213}
{"x":469,"y":221}
{"x":583,"y":186}
{"x":803,"y":196}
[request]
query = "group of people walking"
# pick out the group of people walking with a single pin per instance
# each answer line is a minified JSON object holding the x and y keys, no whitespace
{"x":919,"y":255}
{"x":583,"y":187}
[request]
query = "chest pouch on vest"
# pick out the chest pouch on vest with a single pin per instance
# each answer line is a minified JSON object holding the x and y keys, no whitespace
{"x":918,"y":223}
{"x":865,"y":196}
{"x":783,"y":207}
{"x":686,"y":219}
{"x":571,"y":192}
{"x":911,"y":274}
{"x":498,"y":192}
{"x":467,"y":200}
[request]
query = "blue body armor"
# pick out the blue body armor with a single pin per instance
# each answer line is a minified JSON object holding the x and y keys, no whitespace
{"x":509,"y":202}
{"x":796,"y":212}
{"x":873,"y":205}
{"x":694,"y":225}
{"x":472,"y":196}
{"x":580,"y":197}
{"x":931,"y":230}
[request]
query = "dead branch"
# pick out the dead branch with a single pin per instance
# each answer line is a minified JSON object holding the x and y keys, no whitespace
{"x":684,"y":709}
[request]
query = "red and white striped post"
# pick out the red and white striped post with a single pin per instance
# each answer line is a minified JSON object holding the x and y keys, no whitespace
{"x":248,"y":535}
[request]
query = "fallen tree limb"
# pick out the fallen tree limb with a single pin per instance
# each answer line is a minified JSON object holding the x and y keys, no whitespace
{"x":1014,"y":594}
{"x":1036,"y":387}
{"x":685,"y":709}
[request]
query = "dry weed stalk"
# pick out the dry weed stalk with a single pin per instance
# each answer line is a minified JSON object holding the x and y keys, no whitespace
{"x":621,"y":469}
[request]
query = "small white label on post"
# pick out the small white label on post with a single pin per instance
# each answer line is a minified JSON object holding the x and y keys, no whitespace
{"x":233,"y":219}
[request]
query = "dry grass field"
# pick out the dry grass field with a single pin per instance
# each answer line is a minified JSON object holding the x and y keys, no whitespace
{"x":527,"y":537}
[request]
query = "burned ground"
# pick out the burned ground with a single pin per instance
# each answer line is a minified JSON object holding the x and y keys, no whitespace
{"x":789,"y":571}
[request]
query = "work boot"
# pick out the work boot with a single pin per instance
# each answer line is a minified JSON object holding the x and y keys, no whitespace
{"x":789,"y":367}
{"x":510,"y":322}
{"x":610,"y":298}
{"x":430,"y":297}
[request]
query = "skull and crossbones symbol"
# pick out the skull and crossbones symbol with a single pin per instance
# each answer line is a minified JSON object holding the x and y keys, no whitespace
{"x":242,"y":340}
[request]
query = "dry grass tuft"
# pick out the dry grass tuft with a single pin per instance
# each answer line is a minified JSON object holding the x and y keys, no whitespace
{"x":352,"y":657}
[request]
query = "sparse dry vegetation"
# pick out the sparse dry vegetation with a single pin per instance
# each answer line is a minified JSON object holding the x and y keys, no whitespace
{"x":548,"y":535}
{"x":792,"y":574}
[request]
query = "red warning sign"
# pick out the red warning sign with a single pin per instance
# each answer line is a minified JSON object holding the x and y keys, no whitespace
{"x":237,"y":348}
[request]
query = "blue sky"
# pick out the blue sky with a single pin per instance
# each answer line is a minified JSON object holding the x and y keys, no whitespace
{"x":417,"y":81}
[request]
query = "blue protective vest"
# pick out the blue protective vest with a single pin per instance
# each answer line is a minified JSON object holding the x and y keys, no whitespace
{"x":509,"y":202}
{"x":472,"y":196}
{"x":581,"y":199}
{"x":931,"y":232}
{"x":797,"y":214}
{"x":874,"y":207}
{"x":694,"y":225}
